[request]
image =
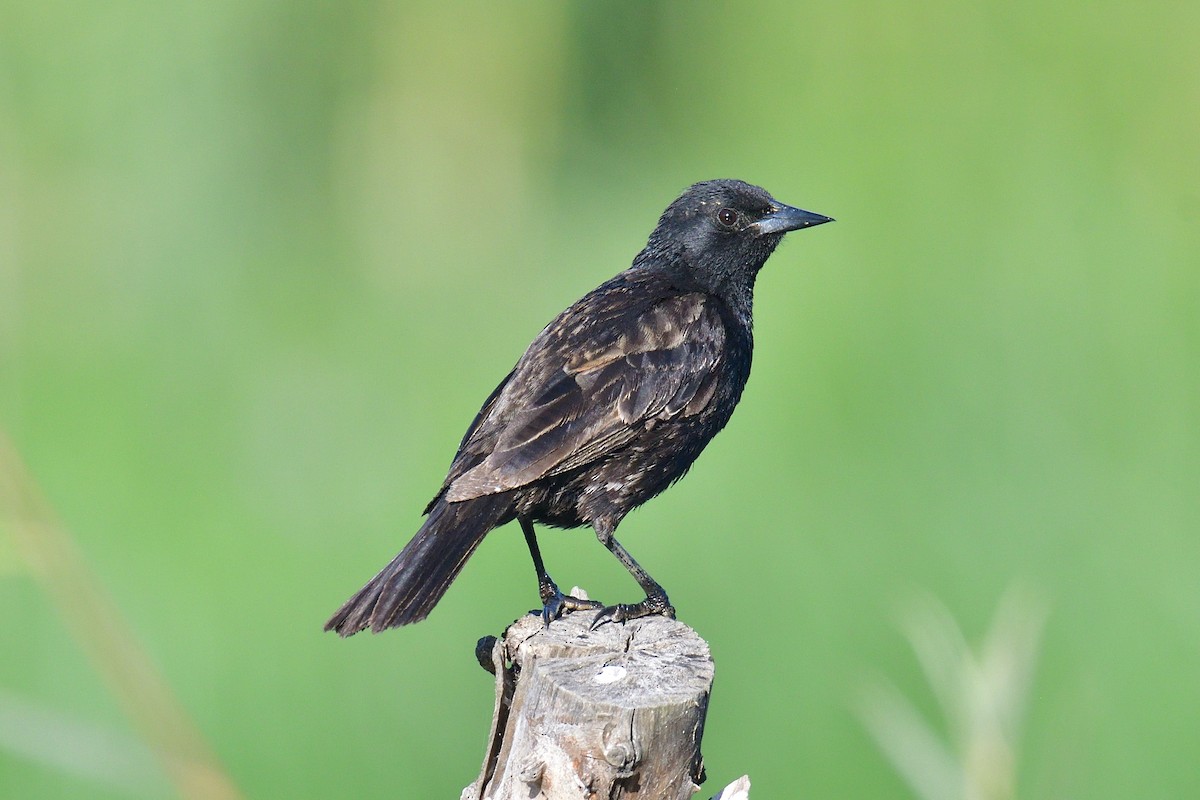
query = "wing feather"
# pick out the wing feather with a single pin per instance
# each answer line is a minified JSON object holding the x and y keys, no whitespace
{"x":659,"y":364}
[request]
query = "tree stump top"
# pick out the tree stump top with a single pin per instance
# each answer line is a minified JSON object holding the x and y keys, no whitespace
{"x":643,"y":663}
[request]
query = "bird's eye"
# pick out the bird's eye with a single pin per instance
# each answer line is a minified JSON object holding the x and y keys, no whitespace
{"x":727,"y":217}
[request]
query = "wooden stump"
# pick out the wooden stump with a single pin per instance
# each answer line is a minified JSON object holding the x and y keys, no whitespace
{"x":616,"y":712}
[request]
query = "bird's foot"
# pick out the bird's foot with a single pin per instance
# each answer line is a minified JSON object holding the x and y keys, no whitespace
{"x":555,"y":603}
{"x":655,"y":603}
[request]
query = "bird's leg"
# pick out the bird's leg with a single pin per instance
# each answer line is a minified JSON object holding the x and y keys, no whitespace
{"x":554,"y":602}
{"x":656,"y":601}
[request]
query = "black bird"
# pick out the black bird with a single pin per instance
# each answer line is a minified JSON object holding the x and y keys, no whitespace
{"x":610,"y":405}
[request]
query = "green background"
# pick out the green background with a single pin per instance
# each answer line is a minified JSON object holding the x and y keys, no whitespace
{"x":260,"y":262}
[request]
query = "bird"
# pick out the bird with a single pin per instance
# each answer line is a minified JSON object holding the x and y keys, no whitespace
{"x":609,"y":405}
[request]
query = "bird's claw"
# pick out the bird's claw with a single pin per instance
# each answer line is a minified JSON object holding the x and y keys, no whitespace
{"x":622,"y":612}
{"x":555,"y":604}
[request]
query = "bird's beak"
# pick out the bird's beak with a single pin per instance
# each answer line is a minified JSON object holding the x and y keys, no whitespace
{"x":785,"y":218}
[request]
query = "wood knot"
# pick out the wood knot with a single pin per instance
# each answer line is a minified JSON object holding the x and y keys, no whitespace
{"x":530,"y":772}
{"x":620,"y":752}
{"x":483,"y":653}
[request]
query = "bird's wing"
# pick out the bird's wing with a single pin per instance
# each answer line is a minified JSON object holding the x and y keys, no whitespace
{"x":599,"y":394}
{"x":469,"y":453}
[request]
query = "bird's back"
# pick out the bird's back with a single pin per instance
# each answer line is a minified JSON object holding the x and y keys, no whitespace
{"x":610,"y":403}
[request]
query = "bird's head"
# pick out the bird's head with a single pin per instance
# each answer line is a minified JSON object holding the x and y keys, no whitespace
{"x":725,"y":230}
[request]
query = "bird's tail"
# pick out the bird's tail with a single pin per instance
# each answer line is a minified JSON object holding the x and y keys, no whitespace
{"x":407,"y":589}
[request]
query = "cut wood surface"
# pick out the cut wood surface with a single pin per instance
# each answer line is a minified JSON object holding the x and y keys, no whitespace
{"x":615,"y":712}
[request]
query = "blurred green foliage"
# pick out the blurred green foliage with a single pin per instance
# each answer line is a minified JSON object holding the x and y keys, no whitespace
{"x":261,"y":261}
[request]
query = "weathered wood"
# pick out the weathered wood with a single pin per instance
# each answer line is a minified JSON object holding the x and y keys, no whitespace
{"x":616,"y":712}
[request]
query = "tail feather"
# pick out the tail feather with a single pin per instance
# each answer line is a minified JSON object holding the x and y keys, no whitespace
{"x":408,"y":588}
